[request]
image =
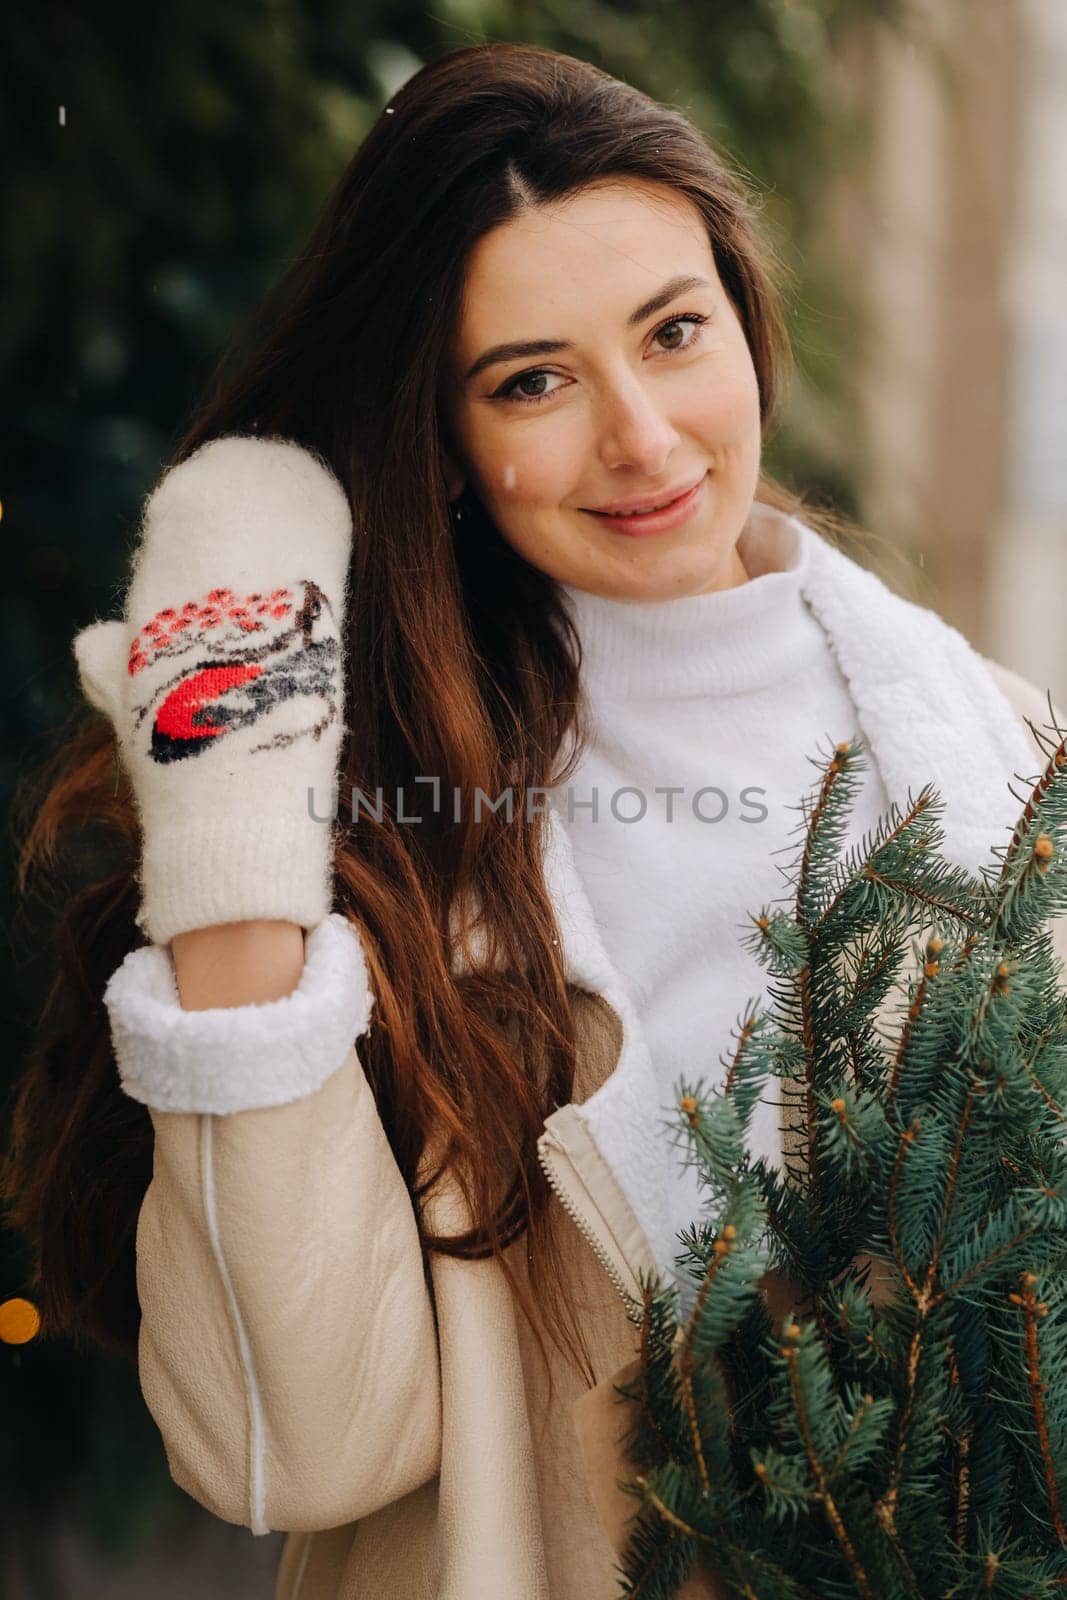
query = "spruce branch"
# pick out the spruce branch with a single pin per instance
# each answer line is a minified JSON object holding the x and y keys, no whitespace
{"x":868,"y":1396}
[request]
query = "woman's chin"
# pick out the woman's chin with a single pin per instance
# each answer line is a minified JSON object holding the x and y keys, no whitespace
{"x":674,"y":575}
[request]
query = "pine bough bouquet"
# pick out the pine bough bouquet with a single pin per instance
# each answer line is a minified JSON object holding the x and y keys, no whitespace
{"x":910,"y":1443}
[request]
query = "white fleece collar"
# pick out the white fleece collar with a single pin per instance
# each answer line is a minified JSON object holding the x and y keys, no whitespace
{"x":929,"y":712}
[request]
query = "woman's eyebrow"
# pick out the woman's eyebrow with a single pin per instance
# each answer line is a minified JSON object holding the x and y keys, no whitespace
{"x":545,"y":347}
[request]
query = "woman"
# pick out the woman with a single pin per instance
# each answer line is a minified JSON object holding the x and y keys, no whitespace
{"x":407,"y":538}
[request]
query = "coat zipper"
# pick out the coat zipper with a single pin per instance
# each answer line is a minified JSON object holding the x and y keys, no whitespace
{"x":551,"y":1151}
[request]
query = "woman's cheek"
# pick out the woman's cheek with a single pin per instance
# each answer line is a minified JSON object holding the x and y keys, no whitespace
{"x":731,"y":413}
{"x":536,"y":476}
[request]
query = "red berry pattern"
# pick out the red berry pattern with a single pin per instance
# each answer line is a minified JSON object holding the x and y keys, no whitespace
{"x":220,"y":608}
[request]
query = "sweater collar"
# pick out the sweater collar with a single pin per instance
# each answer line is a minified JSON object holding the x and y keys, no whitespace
{"x":929,"y":712}
{"x":725,"y":642}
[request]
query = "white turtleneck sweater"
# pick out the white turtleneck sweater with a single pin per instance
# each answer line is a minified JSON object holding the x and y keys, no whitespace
{"x":735,"y":693}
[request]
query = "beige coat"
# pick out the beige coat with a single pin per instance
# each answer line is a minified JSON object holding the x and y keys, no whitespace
{"x":305,"y":1371}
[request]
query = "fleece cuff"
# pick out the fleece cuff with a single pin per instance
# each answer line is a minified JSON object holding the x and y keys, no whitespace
{"x":238,"y":1058}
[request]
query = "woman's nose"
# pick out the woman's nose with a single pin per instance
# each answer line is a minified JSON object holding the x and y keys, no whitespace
{"x":634,"y":432}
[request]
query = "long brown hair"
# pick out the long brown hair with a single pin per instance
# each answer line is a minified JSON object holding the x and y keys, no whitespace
{"x":460,"y":660}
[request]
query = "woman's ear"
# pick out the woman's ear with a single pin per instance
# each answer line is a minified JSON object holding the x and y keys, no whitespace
{"x":455,"y":479}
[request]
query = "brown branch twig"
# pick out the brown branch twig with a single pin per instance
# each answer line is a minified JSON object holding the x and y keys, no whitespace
{"x":789,"y":1351}
{"x":1038,"y":793}
{"x":1032,"y":1309}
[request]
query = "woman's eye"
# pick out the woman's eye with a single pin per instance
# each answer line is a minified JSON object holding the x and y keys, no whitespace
{"x":674,"y":322}
{"x":510,"y":390}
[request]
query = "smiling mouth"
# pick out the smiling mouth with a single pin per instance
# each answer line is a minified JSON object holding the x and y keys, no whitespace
{"x":646,"y":511}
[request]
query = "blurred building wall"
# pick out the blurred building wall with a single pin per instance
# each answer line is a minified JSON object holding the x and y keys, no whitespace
{"x":1028,"y":567}
{"x":957,"y":223}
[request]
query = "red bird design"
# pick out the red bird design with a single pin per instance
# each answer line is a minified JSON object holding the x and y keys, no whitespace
{"x":252,"y":654}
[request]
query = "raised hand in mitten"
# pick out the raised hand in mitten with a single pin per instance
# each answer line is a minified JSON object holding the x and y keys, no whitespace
{"x":225,"y":685}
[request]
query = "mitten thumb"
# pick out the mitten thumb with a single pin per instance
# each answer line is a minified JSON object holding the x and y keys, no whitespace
{"x":101,"y":651}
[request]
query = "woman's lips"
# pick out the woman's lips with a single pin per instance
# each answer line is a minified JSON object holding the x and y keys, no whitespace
{"x":669,"y":516}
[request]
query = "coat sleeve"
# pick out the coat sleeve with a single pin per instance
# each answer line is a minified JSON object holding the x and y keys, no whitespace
{"x":287,"y":1348}
{"x":1031,"y":705}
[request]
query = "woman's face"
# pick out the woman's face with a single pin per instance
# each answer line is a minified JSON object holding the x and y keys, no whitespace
{"x":636,"y":401}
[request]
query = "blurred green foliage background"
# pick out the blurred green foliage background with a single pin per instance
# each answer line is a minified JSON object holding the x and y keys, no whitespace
{"x":162,"y":164}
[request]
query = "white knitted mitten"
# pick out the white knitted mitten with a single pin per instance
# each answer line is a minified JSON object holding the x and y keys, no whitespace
{"x":225,"y":685}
